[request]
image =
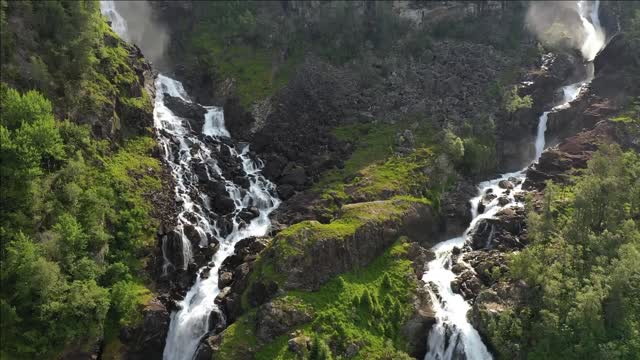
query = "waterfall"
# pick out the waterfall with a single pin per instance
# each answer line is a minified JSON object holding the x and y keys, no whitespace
{"x":594,"y":40}
{"x":118,"y":24}
{"x":453,"y":337}
{"x":184,"y":149}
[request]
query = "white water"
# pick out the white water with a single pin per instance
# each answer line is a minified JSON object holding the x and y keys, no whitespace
{"x":118,"y":24}
{"x":182,"y":149}
{"x":453,"y":337}
{"x":594,"y":41}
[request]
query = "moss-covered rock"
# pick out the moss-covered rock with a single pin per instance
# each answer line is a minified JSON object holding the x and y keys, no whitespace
{"x":367,"y":312}
{"x":308,"y":254}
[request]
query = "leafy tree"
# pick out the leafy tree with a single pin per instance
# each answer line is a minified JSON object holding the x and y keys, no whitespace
{"x":582,"y":266}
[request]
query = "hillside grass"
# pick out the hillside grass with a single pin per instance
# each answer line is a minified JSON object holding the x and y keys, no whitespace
{"x":366,"y":306}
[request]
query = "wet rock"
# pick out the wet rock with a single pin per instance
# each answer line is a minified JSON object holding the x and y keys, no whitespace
{"x":225,"y":279}
{"x":174,"y":248}
{"x":208,"y":346}
{"x":223,"y":204}
{"x":456,"y":209}
{"x":467,"y":285}
{"x":416,"y":329}
{"x":503,"y":200}
{"x":217,"y":322}
{"x":507,"y":231}
{"x":195,"y":237}
{"x":481,"y":207}
{"x":190,"y":111}
{"x":505,"y":184}
{"x":250,"y":246}
{"x":230,"y":263}
{"x":242,"y":181}
{"x":247,"y":215}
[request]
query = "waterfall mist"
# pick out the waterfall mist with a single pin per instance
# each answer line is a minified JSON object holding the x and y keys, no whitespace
{"x":567,"y":25}
{"x":151,"y":36}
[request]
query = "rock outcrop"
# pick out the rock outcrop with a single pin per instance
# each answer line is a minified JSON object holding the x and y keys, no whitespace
{"x":147,"y":340}
{"x":309,"y":253}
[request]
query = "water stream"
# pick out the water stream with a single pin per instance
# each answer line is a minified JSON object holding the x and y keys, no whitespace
{"x":184,"y":149}
{"x":453,"y":337}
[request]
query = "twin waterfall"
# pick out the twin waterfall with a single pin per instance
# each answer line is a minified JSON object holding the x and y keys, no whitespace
{"x":185,"y":148}
{"x":453,"y":337}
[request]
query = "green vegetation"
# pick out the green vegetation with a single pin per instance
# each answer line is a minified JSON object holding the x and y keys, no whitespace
{"x":365,"y":307}
{"x":76,"y":213}
{"x":75,"y":220}
{"x":514,"y":102}
{"x":375,"y":171}
{"x":583,"y":267}
{"x":296,"y":238}
{"x":252,"y":43}
{"x":65,"y":50}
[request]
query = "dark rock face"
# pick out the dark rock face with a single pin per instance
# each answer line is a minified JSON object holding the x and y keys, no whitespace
{"x":190,"y":111}
{"x":148,"y":341}
{"x":237,"y":120}
{"x":455,"y":209}
{"x":277,"y":318}
{"x":234,"y":275}
{"x":516,"y":132}
{"x":506,"y":231}
{"x":416,"y":329}
{"x":616,"y":77}
{"x":333,"y":255}
{"x":557,"y":163}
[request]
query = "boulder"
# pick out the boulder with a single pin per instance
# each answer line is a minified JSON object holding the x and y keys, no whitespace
{"x":293,"y":175}
{"x":505,"y":184}
{"x":278,"y":317}
{"x":148,"y":341}
{"x":223,"y":204}
{"x":299,"y":345}
{"x":188,"y":110}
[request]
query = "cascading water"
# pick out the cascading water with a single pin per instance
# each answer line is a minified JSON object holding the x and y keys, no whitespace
{"x":453,"y":337}
{"x":184,"y":149}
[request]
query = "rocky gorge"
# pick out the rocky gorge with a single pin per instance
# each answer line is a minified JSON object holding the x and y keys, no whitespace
{"x":324,"y":176}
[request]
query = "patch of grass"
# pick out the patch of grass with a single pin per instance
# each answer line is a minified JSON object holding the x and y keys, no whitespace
{"x":296,"y":238}
{"x":374,"y":171}
{"x":254,"y":70}
{"x":366,"y":306}
{"x":239,"y":338}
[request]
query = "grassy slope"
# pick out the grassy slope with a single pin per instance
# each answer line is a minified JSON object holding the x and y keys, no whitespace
{"x":343,"y":313}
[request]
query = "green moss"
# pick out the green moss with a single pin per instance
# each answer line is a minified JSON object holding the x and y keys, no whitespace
{"x":239,"y":338}
{"x":365,"y":306}
{"x":296,"y":238}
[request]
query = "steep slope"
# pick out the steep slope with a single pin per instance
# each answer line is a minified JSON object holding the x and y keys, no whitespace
{"x":83,"y":188}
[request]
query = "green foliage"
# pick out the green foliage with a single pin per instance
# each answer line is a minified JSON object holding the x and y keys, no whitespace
{"x":375,"y":171}
{"x":70,"y":55}
{"x":514,"y":102}
{"x":366,"y":306}
{"x":75,"y":217}
{"x":320,"y":350}
{"x":583,"y":266}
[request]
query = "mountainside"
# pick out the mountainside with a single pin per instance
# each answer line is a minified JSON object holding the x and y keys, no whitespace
{"x":320,"y":180}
